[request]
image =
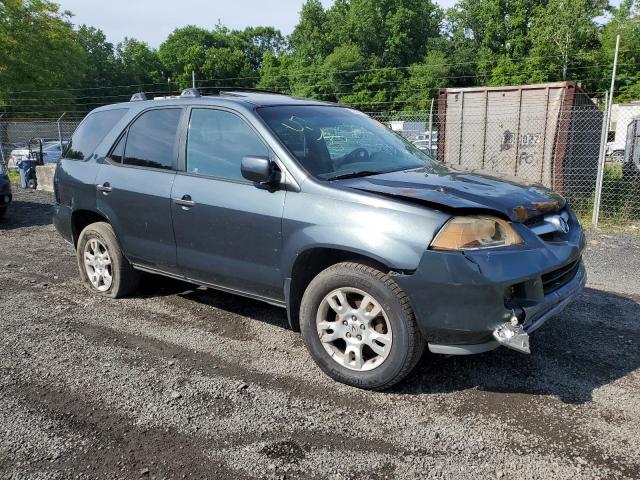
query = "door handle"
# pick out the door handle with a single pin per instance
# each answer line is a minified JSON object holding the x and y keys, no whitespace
{"x":185,"y":202}
{"x":105,"y":188}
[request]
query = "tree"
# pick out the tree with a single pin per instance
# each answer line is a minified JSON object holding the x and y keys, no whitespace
{"x":625,"y":22}
{"x":184,"y":51}
{"x":139,"y":64}
{"x":563,"y":34}
{"x":39,"y":55}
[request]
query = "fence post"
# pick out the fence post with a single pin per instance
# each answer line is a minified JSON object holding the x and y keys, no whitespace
{"x":2,"y":149}
{"x":60,"y":132}
{"x":430,"y":125}
{"x":603,"y":140}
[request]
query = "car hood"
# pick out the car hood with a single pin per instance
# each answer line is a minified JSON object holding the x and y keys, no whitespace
{"x":453,"y":190}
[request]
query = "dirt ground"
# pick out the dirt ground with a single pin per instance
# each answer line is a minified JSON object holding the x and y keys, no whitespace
{"x":183,"y":382}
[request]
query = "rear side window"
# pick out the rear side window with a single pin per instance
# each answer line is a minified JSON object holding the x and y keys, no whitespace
{"x":118,"y":151}
{"x":217,"y":141}
{"x":90,"y":133}
{"x":152,"y":138}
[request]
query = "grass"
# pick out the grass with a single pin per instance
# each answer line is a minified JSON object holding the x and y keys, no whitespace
{"x":14,"y":176}
{"x":619,"y":204}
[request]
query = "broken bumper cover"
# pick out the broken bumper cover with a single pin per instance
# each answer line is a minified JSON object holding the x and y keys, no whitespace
{"x":464,"y":301}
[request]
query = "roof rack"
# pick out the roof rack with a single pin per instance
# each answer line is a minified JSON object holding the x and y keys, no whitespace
{"x":138,"y":97}
{"x":231,"y":91}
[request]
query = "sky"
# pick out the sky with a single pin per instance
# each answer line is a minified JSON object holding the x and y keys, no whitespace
{"x":151,"y":22}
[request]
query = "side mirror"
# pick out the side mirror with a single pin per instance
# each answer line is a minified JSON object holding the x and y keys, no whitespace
{"x":257,"y":169}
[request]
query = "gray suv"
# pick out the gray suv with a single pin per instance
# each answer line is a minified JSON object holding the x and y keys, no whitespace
{"x":375,"y":250}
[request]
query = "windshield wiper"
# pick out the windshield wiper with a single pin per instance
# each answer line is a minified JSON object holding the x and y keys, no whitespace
{"x":360,"y":173}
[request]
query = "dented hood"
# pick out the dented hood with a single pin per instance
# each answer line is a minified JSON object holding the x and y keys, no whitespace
{"x":453,"y":190}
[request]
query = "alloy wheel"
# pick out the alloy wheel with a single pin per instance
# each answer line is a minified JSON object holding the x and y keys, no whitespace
{"x":97,"y":264}
{"x":354,"y":329}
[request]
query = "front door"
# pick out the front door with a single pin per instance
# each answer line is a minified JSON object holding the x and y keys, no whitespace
{"x":228,"y":230}
{"x":134,"y":188}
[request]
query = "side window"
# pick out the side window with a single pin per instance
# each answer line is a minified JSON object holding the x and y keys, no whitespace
{"x":151,"y":139}
{"x":118,"y":151}
{"x":90,"y":133}
{"x":217,"y":142}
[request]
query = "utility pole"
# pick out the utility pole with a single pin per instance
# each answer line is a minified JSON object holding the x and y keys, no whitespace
{"x":60,"y":132}
{"x":607,"y":119}
{"x":193,"y":78}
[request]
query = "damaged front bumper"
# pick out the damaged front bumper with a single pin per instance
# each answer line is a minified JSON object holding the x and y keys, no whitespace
{"x":468,"y":303}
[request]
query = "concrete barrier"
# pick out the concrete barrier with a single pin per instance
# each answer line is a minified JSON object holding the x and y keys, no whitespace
{"x":44,"y":174}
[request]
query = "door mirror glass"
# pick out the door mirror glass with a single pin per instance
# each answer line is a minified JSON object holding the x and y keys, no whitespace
{"x":257,"y":169}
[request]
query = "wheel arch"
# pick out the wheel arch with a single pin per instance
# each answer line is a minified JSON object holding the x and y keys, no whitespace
{"x":82,"y":218}
{"x":310,"y":263}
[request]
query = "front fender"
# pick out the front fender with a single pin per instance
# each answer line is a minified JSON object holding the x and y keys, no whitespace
{"x":395,"y":237}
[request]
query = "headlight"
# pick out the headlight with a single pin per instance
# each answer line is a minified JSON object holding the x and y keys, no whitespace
{"x":475,"y":232}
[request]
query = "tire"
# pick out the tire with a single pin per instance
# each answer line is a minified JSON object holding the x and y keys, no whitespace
{"x":124,"y":278}
{"x":354,"y":279}
{"x":3,"y":210}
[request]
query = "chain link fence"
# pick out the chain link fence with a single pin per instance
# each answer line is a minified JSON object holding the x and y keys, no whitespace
{"x":17,"y":134}
{"x":549,"y":134}
{"x":544,"y":134}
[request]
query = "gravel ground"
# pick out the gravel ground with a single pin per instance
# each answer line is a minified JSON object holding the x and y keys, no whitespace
{"x":183,"y":382}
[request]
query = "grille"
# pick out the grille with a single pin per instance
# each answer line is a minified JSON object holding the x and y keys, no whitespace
{"x":548,"y":227}
{"x":552,"y":281}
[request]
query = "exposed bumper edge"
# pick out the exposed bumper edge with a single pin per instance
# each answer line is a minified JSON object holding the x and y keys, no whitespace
{"x":565,"y":296}
{"x":464,"y":349}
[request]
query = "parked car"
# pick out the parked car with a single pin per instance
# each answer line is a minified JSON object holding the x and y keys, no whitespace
{"x":375,"y":253}
{"x":5,"y":191}
{"x":7,"y":148}
{"x":50,"y":152}
{"x":422,"y":142}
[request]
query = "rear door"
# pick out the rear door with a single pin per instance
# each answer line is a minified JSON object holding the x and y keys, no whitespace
{"x":228,"y":230}
{"x":134,"y":187}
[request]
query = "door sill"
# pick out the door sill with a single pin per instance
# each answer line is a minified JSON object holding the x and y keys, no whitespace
{"x":270,"y":301}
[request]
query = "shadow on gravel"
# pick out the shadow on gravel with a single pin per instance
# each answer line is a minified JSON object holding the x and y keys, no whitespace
{"x":592,"y":343}
{"x":159,"y":286}
{"x":23,"y":214}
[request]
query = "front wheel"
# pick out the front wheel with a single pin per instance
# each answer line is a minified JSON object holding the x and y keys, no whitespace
{"x":359,"y":326}
{"x":103,"y":267}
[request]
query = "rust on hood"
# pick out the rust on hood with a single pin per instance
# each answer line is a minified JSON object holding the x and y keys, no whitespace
{"x":537,"y":208}
{"x":548,"y":206}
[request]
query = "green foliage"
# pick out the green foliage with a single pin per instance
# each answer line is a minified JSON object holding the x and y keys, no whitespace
{"x":374,"y":54}
{"x":38,"y":51}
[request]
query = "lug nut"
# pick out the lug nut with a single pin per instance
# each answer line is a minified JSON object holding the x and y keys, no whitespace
{"x":353,"y":318}
{"x":363,"y":326}
{"x":348,"y":335}
{"x":344,"y":322}
{"x":359,"y":337}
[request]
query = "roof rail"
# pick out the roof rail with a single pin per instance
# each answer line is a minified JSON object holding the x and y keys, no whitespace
{"x":230,"y":91}
{"x":190,"y":93}
{"x":138,"y":97}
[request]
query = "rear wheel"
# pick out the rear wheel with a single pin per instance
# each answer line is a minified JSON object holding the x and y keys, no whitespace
{"x":103,"y":267}
{"x":359,"y":326}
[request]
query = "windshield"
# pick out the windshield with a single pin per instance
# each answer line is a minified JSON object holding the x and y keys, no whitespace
{"x":334,"y":142}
